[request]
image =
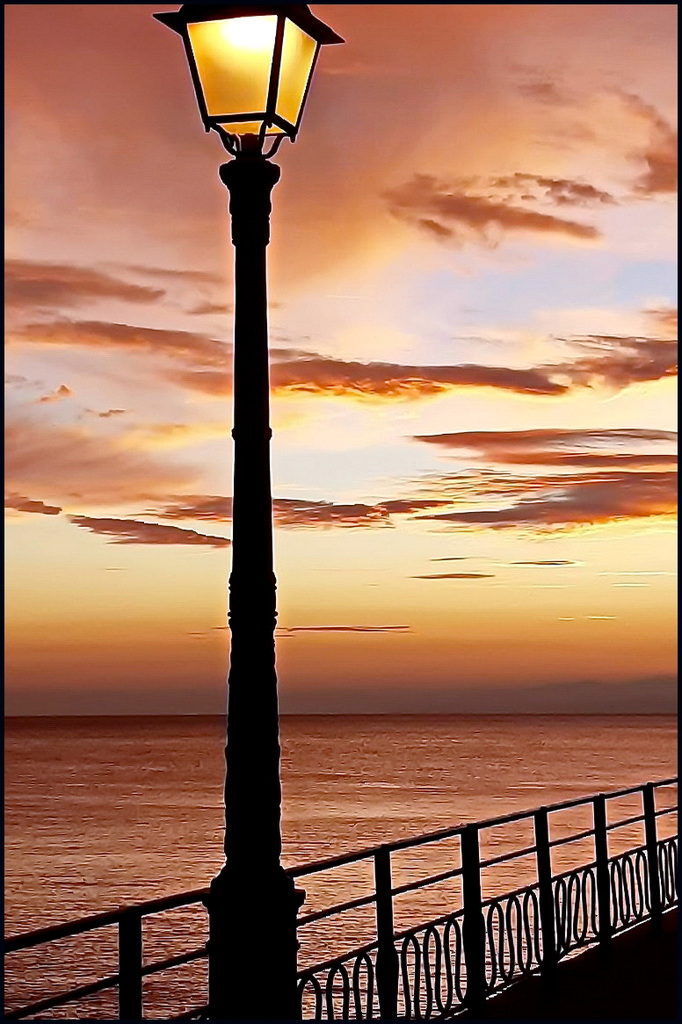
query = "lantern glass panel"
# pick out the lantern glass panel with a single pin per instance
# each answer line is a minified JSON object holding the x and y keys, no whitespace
{"x":298,"y":53}
{"x":234,"y":58}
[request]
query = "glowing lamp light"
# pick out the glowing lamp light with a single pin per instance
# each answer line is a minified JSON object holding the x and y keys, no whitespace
{"x":251,"y":65}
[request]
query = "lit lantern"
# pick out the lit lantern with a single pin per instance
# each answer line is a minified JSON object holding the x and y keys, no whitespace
{"x":251,"y":65}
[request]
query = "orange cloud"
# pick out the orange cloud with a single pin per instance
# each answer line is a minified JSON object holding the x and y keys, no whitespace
{"x":458,"y":212}
{"x":665,"y":318}
{"x":132,"y":531}
{"x":95,"y":334}
{"x":324,"y":375}
{"x":212,"y":308}
{"x":55,"y":285}
{"x":562,"y":191}
{"x":555,"y":447}
{"x":568,"y":500}
{"x":76,"y":465}
{"x":61,"y":392}
{"x":294,"y":512}
{"x":21,"y":504}
{"x":618,"y":361}
{"x":288,"y":512}
{"x":660,"y":153}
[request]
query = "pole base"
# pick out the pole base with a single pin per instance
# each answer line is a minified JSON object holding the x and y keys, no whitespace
{"x":252,"y":945}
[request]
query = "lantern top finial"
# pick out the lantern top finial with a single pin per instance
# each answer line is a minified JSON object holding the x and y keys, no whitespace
{"x":300,"y":14}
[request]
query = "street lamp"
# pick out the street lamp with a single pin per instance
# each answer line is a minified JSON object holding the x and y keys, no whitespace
{"x":251,"y":66}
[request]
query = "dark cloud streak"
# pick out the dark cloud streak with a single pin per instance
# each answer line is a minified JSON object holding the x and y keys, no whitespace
{"x":456,"y":576}
{"x":345,"y":629}
{"x":296,"y":512}
{"x":574,"y":500}
{"x":20,"y":504}
{"x":595,"y":448}
{"x":133,"y":531}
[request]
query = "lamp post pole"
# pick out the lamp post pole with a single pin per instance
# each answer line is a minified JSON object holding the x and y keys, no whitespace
{"x":253,"y":903}
{"x":251,"y":67}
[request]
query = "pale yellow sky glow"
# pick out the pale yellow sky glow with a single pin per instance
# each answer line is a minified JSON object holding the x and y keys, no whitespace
{"x":473,"y":333}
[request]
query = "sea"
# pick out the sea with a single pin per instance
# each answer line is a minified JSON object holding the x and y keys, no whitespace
{"x":103,"y":812}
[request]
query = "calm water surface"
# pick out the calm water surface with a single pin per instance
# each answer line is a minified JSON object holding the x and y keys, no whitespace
{"x":102,"y":812}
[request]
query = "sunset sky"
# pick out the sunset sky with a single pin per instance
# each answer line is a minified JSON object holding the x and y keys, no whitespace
{"x":473,"y":330}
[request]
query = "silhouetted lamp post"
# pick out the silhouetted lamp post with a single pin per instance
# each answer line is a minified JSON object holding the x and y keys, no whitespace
{"x":251,"y":66}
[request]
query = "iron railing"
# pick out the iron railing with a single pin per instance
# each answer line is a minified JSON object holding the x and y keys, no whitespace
{"x":485,"y":940}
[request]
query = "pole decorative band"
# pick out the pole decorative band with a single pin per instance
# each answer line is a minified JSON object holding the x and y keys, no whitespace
{"x":250,"y":181}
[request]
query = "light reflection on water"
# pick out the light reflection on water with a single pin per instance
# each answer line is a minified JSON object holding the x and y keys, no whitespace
{"x":102,"y":812}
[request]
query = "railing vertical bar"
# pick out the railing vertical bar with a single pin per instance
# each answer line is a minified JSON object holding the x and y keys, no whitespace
{"x":130,"y":966}
{"x":387,"y":956}
{"x":651,"y":840}
{"x":473,"y":925}
{"x":543,"y":856}
{"x":601,"y":856}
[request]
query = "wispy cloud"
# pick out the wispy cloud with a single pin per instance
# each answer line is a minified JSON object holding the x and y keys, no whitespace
{"x":561,"y":191}
{"x":288,"y":512}
{"x":188,"y":346}
{"x":55,"y":286}
{"x":547,"y":562}
{"x":344,"y":629}
{"x":568,"y":500}
{"x":133,"y":531}
{"x":452,"y":558}
{"x":75,"y":464}
{"x":470,"y":209}
{"x":456,"y":576}
{"x":55,"y":396}
{"x":20,"y":504}
{"x":611,"y":361}
{"x":324,"y":375}
{"x":200,"y":363}
{"x":211,"y":308}
{"x":659,"y":155}
{"x":595,"y":448}
{"x":107,"y":413}
{"x":296,"y":512}
{"x":617,"y":361}
{"x":170,"y":274}
{"x":544,"y":91}
{"x":665,"y":318}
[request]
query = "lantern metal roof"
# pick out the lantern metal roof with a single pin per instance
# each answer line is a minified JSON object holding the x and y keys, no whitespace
{"x":300,"y":14}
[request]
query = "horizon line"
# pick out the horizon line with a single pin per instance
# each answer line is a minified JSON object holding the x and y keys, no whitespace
{"x":371,"y":714}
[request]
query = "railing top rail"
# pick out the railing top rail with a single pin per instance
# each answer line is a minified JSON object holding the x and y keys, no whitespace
{"x":635,"y":789}
{"x":109,"y":917}
{"x":449,"y":833}
{"x":64,"y":997}
{"x":27,"y":939}
{"x":408,"y":844}
{"x":665,"y":782}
